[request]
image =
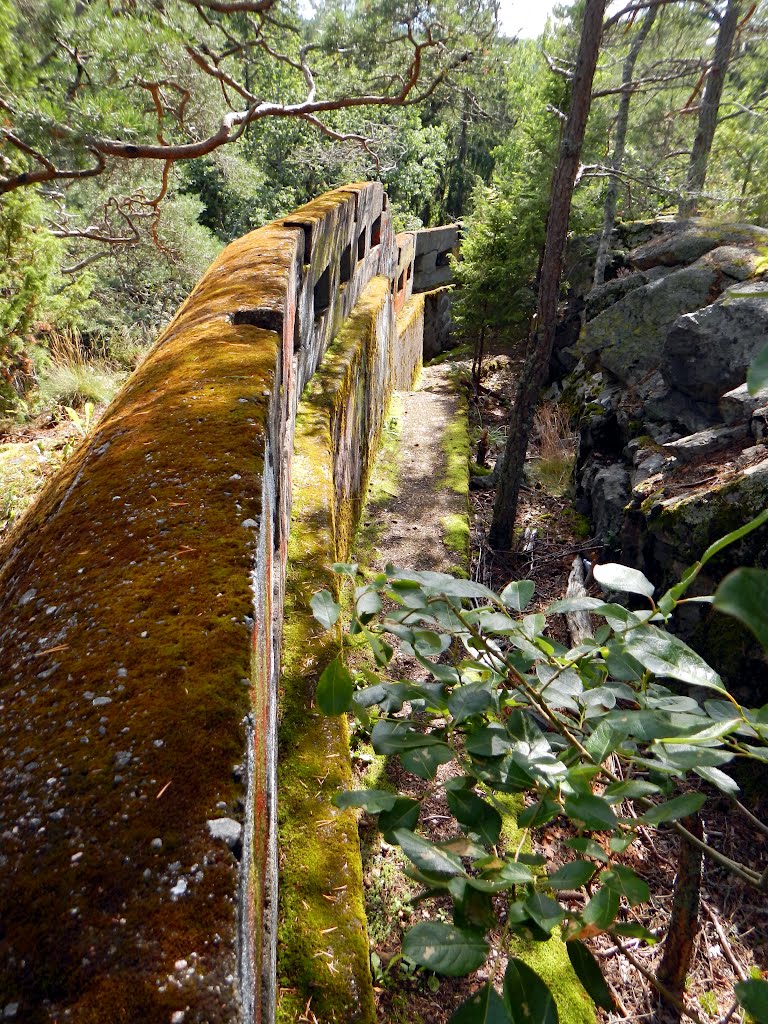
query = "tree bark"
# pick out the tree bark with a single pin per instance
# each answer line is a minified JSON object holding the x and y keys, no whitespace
{"x":710,"y":104}
{"x":537,"y":363}
{"x":684,"y":919}
{"x":620,"y":139}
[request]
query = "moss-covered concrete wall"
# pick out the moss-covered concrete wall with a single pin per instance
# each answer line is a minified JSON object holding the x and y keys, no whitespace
{"x":323,"y":945}
{"x":141,"y":610}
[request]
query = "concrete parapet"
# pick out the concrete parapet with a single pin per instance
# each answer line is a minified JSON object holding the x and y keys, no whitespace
{"x":141,"y":616}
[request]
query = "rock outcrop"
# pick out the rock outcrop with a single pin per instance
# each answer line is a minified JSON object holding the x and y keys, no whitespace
{"x":670,"y":442}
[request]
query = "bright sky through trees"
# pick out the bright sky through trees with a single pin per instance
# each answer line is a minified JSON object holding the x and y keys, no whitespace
{"x":525,"y":18}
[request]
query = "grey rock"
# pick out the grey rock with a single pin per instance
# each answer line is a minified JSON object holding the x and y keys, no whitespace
{"x":26,"y":597}
{"x":629,"y":337}
{"x":737,"y":405}
{"x":10,"y":1011}
{"x":122,"y":759}
{"x":706,"y":442}
{"x":227,"y":830}
{"x":758,"y":424}
{"x":693,"y":241}
{"x":707,"y":352}
{"x":100,"y":702}
{"x":609,"y":494}
{"x":179,"y":888}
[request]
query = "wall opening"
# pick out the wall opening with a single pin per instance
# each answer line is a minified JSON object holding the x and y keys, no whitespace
{"x":376,"y":232}
{"x":345,"y":265}
{"x":267,"y":319}
{"x":307,"y":229}
{"x":409,"y":275}
{"x":361,"y":244}
{"x":322,"y":292}
{"x":442,"y":259}
{"x":401,"y":282}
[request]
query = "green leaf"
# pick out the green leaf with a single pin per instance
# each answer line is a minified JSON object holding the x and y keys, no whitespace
{"x":334,"y":689}
{"x":613,"y":576}
{"x":445,"y":949}
{"x":517,"y":595}
{"x":538,"y":814}
{"x":588,"y":847}
{"x":468,"y":700}
{"x":427,"y":857}
{"x":593,"y":811}
{"x":484,"y":1007}
{"x":572,"y":875}
{"x":589,"y":974}
{"x":475,"y":815}
{"x":324,"y":608}
{"x":345,"y":568}
{"x":367,"y":601}
{"x":489,"y":741}
{"x":633,"y":930}
{"x":394,"y":737}
{"x":603,"y":741}
{"x":718,"y":779}
{"x":665,"y":655}
{"x":546,"y":912}
{"x":404,"y":814}
{"x":602,"y":910}
{"x":753,"y":996}
{"x":526,"y":997}
{"x":743,"y":594}
{"x":627,"y":884}
{"x":757,"y":375}
{"x":371,"y":800}
{"x":632,"y":789}
{"x":675,"y":809}
{"x":424,"y":761}
{"x":471,"y":908}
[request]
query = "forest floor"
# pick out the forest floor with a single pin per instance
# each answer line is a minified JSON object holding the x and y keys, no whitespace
{"x":402,"y":525}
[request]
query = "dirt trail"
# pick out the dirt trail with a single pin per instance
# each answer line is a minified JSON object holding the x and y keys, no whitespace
{"x":416,"y":513}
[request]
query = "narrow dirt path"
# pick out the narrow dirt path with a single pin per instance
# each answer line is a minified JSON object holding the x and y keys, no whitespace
{"x":416,"y":516}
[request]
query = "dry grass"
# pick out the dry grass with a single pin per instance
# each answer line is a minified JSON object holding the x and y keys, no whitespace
{"x":553,"y":448}
{"x":74,"y":377}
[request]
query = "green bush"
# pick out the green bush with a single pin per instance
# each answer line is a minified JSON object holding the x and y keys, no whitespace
{"x":582,"y":731}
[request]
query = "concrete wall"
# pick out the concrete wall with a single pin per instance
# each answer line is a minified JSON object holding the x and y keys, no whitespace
{"x":323,"y":944}
{"x":432,"y":265}
{"x":141,"y":615}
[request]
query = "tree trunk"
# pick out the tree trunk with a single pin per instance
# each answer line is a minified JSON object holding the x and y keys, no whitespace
{"x":710,"y":104}
{"x":684,"y":919}
{"x":620,"y":139}
{"x":537,"y":363}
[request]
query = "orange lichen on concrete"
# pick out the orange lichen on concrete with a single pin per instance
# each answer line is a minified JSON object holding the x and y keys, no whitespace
{"x":140,"y":614}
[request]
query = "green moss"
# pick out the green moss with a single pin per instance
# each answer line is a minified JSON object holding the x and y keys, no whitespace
{"x":549,"y":959}
{"x":455,"y":443}
{"x":452,"y":354}
{"x":477,"y":470}
{"x":456,"y":536}
{"x":579,"y":524}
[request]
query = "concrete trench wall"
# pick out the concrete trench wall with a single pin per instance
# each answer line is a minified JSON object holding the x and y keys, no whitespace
{"x":141,"y":610}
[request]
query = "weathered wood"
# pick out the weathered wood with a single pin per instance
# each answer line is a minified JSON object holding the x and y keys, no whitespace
{"x":579,"y":623}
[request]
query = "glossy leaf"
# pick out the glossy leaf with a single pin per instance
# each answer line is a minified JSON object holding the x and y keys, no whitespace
{"x":475,"y":815}
{"x":675,"y":809}
{"x":757,"y":375}
{"x":593,"y":811}
{"x":427,"y":857}
{"x":665,"y":655}
{"x":718,"y":779}
{"x":752,"y":994}
{"x":526,"y":996}
{"x":517,"y":595}
{"x":371,"y":800}
{"x":325,"y":609}
{"x":612,"y":576}
{"x":334,"y":689}
{"x":627,"y":884}
{"x":404,"y":813}
{"x":445,"y":949}
{"x":468,"y":700}
{"x":572,"y":875}
{"x":394,"y":737}
{"x":484,"y":1007}
{"x":588,"y":847}
{"x":546,"y":912}
{"x":589,"y":974}
{"x":602,"y":910}
{"x":743,"y":594}
{"x":424,"y":761}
